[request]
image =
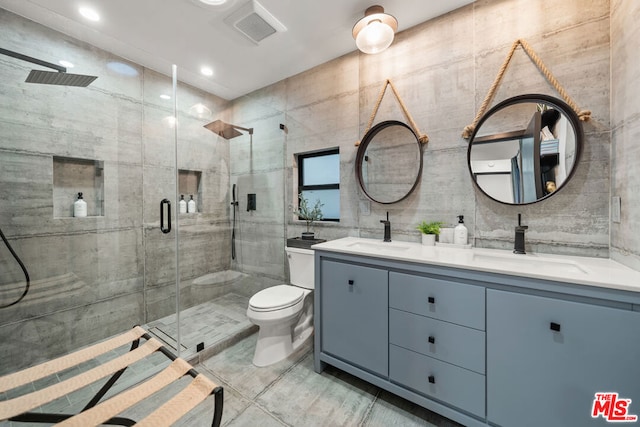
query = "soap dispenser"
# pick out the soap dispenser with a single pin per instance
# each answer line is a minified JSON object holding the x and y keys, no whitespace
{"x":191,"y":206}
{"x":182,"y":204}
{"x":460,"y":232}
{"x":80,"y":207}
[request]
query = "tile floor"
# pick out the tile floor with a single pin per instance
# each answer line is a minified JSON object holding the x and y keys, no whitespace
{"x":216,"y":324}
{"x":288,"y":393}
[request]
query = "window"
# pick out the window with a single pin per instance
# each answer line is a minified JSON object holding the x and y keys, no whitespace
{"x":319,"y":179}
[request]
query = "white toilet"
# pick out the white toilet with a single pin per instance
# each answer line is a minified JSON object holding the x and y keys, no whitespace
{"x":284,"y":313}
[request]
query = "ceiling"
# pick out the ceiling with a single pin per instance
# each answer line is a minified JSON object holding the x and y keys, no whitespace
{"x":190,"y":34}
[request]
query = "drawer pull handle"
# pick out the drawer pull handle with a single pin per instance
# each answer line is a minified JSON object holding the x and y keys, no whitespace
{"x":351,"y":282}
{"x":432,"y":340}
{"x":554,"y":326}
{"x":432,"y":379}
{"x":432,"y":300}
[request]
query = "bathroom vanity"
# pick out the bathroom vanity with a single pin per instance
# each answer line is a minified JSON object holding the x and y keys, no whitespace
{"x":481,"y":336}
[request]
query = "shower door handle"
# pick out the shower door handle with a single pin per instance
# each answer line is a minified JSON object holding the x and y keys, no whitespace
{"x":162,"y":227}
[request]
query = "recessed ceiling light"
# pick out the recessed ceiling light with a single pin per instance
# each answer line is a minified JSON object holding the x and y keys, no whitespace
{"x":165,"y":96}
{"x":206,"y":71}
{"x":213,"y":2}
{"x":124,"y":69}
{"x":89,"y":13}
{"x":200,"y":111}
{"x":66,"y":64}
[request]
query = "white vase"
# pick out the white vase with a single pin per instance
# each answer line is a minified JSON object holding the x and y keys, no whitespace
{"x":429,"y":239}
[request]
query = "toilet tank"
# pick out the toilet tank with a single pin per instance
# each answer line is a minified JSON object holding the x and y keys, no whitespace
{"x":301,"y":271}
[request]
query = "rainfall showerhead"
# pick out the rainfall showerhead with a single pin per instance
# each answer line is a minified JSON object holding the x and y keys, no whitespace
{"x":59,"y":77}
{"x":226,"y":130}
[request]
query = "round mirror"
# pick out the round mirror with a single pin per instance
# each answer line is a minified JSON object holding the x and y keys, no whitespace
{"x":525,"y":149}
{"x":389,"y":162}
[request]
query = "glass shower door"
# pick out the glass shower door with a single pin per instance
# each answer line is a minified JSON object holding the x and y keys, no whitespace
{"x":161,"y":207}
{"x":187,"y":174}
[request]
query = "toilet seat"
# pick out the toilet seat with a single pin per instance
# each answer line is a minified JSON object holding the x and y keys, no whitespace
{"x":276,"y":298}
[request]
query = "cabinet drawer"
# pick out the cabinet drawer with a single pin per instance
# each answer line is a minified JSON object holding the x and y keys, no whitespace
{"x":458,"y":345}
{"x":457,"y":386}
{"x":440,"y":299}
{"x":354,"y":315}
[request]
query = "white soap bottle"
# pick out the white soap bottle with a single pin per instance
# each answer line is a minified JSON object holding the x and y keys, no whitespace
{"x":191,"y":206}
{"x":80,"y":207}
{"x":182,"y":204}
{"x":460,"y":232}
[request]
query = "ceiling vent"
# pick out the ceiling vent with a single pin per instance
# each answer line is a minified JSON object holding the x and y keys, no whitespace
{"x":254,"y":22}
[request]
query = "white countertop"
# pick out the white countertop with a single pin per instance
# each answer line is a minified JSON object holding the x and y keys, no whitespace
{"x":600,"y":272}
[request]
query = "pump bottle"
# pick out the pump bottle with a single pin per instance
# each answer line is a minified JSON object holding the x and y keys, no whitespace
{"x":191,"y":206}
{"x":80,"y":207}
{"x":460,"y":232}
{"x":182,"y":204}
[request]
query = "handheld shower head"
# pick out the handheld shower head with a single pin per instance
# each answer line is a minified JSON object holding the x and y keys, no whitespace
{"x":61,"y":77}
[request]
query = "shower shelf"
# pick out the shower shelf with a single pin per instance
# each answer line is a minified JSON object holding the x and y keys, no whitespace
{"x":190,"y":183}
{"x":74,"y":175}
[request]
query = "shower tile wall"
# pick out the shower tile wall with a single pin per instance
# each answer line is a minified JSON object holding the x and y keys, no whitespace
{"x":256,"y":167}
{"x":96,"y":276}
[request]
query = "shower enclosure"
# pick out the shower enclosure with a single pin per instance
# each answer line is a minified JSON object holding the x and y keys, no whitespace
{"x":130,"y":140}
{"x":133,"y":142}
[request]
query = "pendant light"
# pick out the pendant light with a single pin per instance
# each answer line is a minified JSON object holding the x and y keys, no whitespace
{"x":374,"y":33}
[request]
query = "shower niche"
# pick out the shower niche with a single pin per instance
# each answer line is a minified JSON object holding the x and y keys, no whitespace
{"x":190,"y":184}
{"x":72,"y":176}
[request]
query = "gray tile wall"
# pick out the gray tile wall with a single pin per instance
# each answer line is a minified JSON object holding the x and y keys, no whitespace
{"x":443,"y":69}
{"x":257,"y":167}
{"x":625,"y":122}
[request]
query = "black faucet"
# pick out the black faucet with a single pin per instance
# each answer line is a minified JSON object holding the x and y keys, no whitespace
{"x":518,"y":245}
{"x":387,"y":228}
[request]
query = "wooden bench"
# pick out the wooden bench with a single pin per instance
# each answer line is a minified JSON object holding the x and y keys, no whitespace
{"x":107,"y":412}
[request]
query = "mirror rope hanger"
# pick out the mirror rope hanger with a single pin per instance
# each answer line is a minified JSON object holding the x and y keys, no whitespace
{"x":583,"y":115}
{"x":423,"y":138}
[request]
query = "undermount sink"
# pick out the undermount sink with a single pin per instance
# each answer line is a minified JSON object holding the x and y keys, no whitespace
{"x":546,"y":264}
{"x":378,"y":246}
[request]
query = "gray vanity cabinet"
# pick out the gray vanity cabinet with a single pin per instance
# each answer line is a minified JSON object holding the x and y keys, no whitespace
{"x":354,"y":315}
{"x":479,"y":348}
{"x":547,"y":357}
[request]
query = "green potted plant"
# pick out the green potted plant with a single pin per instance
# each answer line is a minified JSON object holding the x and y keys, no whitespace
{"x":429,"y":231}
{"x":308,"y":214}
